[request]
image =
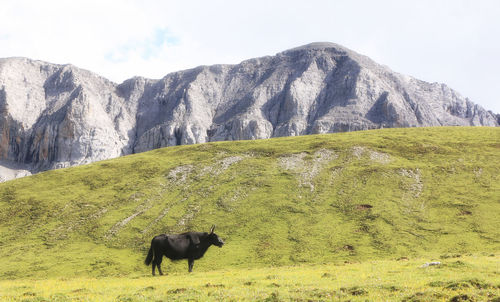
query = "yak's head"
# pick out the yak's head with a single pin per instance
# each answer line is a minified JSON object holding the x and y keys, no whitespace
{"x":214,"y":239}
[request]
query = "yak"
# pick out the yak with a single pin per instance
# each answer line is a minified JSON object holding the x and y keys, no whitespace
{"x":189,"y":245}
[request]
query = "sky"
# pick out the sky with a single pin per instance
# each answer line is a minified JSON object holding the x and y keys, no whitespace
{"x":456,"y":42}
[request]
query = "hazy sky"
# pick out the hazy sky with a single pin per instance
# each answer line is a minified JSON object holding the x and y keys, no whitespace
{"x":456,"y":42}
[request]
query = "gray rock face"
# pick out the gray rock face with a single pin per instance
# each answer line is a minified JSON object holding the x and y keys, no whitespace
{"x":54,"y":116}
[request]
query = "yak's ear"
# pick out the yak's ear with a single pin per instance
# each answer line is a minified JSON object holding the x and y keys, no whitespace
{"x":212,"y":229}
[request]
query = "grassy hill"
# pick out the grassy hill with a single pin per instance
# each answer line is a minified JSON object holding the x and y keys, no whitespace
{"x":381,"y":194}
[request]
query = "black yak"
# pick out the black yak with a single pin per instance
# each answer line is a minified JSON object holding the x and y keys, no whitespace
{"x":189,"y":245}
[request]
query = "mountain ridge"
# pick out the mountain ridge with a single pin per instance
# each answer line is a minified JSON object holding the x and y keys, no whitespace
{"x":54,"y":116}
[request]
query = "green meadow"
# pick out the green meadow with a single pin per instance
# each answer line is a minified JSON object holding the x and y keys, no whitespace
{"x":347,"y":216}
{"x":458,"y":278}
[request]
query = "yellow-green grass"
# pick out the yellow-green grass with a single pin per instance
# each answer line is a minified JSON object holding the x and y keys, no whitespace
{"x":471,"y":278}
{"x":359,"y":196}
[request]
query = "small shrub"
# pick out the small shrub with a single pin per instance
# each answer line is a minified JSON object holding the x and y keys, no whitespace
{"x":214,"y":285}
{"x":354,"y":291}
{"x":176,"y":290}
{"x":475,"y":283}
{"x":423,"y":297}
{"x":273,"y":297}
{"x":437,"y":284}
{"x":463,"y":297}
{"x":447,"y":256}
{"x":392,"y":288}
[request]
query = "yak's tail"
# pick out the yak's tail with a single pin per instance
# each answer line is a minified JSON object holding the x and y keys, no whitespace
{"x":149,"y":257}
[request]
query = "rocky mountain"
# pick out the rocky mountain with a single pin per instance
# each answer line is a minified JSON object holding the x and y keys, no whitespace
{"x":54,"y":116}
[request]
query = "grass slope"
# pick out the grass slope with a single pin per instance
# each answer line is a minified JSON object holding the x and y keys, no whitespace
{"x":465,"y":278}
{"x":358,"y":196}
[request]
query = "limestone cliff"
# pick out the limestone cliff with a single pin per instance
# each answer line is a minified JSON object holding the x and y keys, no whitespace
{"x":54,"y":116}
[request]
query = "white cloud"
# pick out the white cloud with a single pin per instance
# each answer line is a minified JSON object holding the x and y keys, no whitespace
{"x":450,"y":41}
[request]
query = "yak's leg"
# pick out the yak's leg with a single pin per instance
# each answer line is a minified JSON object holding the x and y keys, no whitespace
{"x":153,"y":264}
{"x":159,"y":269}
{"x":191,"y":263}
{"x":158,"y":263}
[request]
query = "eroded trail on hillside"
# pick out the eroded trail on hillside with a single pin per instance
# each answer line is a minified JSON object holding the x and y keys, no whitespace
{"x":179,"y":178}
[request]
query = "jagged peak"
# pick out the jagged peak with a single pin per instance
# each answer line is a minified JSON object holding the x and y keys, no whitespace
{"x":24,"y":60}
{"x":319,"y":46}
{"x":18,"y":63}
{"x":330,"y":48}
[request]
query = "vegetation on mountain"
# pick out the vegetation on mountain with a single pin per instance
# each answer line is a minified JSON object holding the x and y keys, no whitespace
{"x":359,"y":196}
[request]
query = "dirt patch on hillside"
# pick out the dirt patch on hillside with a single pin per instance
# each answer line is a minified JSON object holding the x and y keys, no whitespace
{"x":293,"y":162}
{"x":364,"y":207}
{"x":412,"y":186}
{"x":358,"y":151}
{"x":221,"y":165}
{"x":375,"y":156}
{"x":305,"y":168}
{"x":417,"y":185}
{"x":179,"y":175}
